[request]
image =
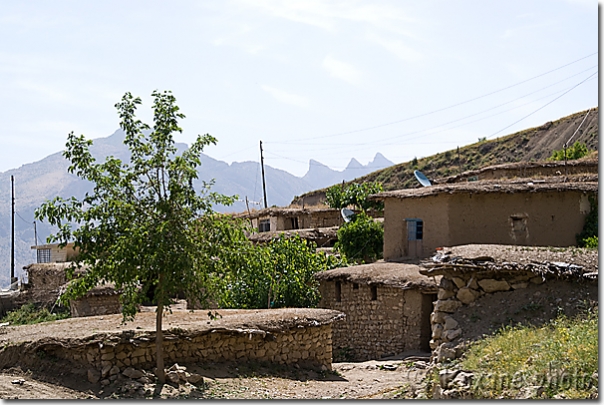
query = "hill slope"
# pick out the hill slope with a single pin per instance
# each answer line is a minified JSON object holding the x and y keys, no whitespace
{"x":531,"y":144}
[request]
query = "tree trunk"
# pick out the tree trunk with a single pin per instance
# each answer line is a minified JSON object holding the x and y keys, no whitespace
{"x":159,"y":343}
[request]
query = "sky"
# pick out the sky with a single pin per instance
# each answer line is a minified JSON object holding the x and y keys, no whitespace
{"x":322,"y":80}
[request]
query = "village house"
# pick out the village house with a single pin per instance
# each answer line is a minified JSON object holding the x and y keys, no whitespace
{"x":53,"y":253}
{"x":544,"y":212}
{"x":283,"y":219}
{"x":387,"y":307}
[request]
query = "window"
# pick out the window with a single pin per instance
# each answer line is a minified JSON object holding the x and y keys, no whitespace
{"x":373,"y":293}
{"x":264,"y":225}
{"x":415,"y":229}
{"x":338,"y":291}
{"x":295,"y":223}
{"x":43,"y":255}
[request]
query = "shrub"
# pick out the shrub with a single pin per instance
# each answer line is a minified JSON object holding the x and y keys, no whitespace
{"x":30,"y":313}
{"x":576,"y":151}
{"x":361,"y":240}
{"x":589,"y":234}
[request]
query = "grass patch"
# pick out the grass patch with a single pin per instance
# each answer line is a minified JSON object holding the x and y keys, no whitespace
{"x":30,"y":314}
{"x":560,"y":357}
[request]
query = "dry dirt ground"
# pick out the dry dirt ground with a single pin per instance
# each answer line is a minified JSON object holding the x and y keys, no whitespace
{"x":366,"y":380}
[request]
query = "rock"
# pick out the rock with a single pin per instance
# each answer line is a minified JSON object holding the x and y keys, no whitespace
{"x":444,"y":294}
{"x":518,"y":286}
{"x":132,"y":373}
{"x":443,"y":352}
{"x":473,"y":284}
{"x":467,"y":295}
{"x":114,"y":370}
{"x":447,"y":305}
{"x":446,"y":376}
{"x":113,"y":377}
{"x":182,"y":375}
{"x":173,"y":377}
{"x":94,"y":375}
{"x":176,"y":367}
{"x":447,"y":284}
{"x":145,"y":380}
{"x":451,"y":335}
{"x":463,"y":380}
{"x":490,"y":285}
{"x":433,"y":344}
{"x":195,"y":379}
{"x":437,"y":317}
{"x":459,"y":282}
{"x":437,"y":331}
{"x":450,"y":323}
{"x":105,"y":371}
{"x":537,"y":280}
{"x":105,"y":382}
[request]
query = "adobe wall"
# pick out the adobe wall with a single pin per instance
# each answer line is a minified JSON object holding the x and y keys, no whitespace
{"x":473,"y":304}
{"x":434,"y":212}
{"x":306,"y":346}
{"x":96,"y":305}
{"x":389,"y":325}
{"x":538,"y":219}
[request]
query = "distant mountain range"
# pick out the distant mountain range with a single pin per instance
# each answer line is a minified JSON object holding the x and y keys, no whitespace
{"x":47,"y":178}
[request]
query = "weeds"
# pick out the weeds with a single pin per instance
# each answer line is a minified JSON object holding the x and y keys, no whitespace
{"x":30,"y":314}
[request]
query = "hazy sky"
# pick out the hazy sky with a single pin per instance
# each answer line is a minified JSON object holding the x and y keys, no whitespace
{"x":327,"y":80}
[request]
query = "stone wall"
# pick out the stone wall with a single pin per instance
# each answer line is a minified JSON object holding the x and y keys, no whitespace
{"x":111,"y":354}
{"x":395,"y":321}
{"x":472,"y":304}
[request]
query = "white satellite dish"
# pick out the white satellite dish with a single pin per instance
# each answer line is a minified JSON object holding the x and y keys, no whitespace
{"x":347,"y":214}
{"x":423,"y":180}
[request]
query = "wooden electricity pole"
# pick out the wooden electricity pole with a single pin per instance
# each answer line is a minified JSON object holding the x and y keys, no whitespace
{"x":12,"y":240}
{"x":263,"y":184}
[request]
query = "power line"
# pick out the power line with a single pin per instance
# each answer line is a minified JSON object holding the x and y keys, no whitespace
{"x":545,"y":105}
{"x":445,"y":108}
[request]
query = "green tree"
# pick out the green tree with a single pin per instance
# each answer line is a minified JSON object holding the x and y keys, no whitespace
{"x":576,"y":151}
{"x":335,"y":196}
{"x":143,"y":227}
{"x":355,"y":194}
{"x":362,"y":239}
{"x":276,"y":275}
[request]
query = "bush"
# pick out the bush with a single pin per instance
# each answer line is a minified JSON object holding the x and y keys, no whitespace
{"x":276,"y":275}
{"x":340,"y":196}
{"x":361,"y":240}
{"x":576,"y":151}
{"x":30,"y":313}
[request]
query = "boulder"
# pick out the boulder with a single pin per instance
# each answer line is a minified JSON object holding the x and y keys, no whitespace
{"x":437,"y":317}
{"x":451,"y":335}
{"x":490,"y":285}
{"x":173,"y":377}
{"x":444,"y":294}
{"x":94,"y":375}
{"x":450,"y":323}
{"x":467,"y":295}
{"x":437,"y":331}
{"x":449,"y":306}
{"x":133,"y":373}
{"x":195,"y":379}
{"x":459,"y":282}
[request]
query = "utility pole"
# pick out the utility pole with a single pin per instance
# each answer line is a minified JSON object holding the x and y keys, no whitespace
{"x":12,"y":241}
{"x":35,"y":233}
{"x":263,"y":184}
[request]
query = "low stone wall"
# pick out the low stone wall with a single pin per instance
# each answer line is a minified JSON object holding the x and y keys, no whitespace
{"x":96,"y":305}
{"x":110,"y":354}
{"x":471,"y":304}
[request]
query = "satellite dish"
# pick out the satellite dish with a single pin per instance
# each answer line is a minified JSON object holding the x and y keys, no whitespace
{"x":347,"y":214}
{"x":423,"y":180}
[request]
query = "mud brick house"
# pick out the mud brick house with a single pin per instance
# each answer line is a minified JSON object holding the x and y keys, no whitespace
{"x":52,"y":253}
{"x":283,"y":219}
{"x":484,"y":287}
{"x":544,"y":212}
{"x":387,"y":307}
{"x":103,"y":299}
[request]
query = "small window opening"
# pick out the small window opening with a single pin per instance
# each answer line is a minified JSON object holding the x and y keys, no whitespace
{"x":264,"y":225}
{"x":295,"y":223}
{"x":373,"y":293}
{"x":355,"y":286}
{"x":338,"y":291}
{"x":415,"y":229}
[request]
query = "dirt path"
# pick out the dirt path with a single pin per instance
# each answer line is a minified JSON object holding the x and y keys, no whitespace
{"x":370,"y":379}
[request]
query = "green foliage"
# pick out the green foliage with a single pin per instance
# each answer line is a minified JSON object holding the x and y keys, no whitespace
{"x":589,"y":235}
{"x":560,"y":356}
{"x":280,"y":273}
{"x":361,"y":240}
{"x":576,"y":151}
{"x":355,"y":194}
{"x":30,"y":313}
{"x":143,"y":226}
